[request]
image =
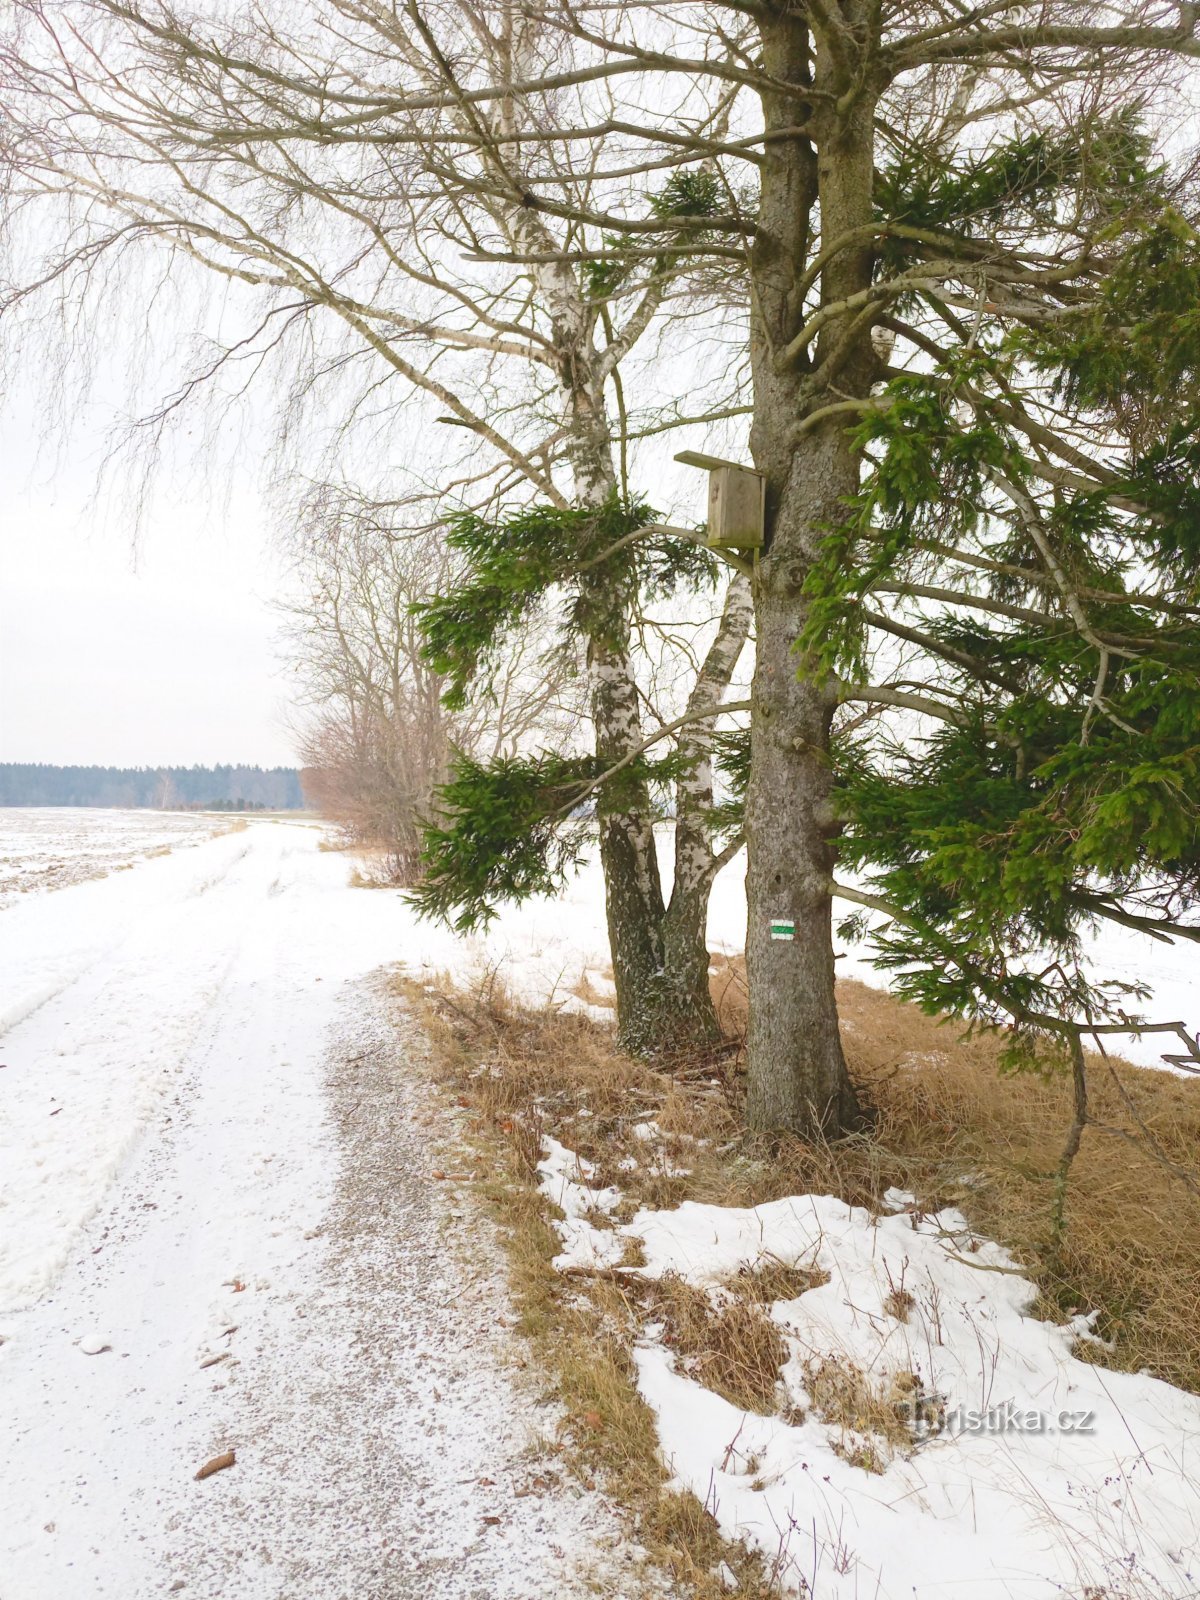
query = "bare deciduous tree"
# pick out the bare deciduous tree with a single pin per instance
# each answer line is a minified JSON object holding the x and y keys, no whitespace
{"x":376,"y":740}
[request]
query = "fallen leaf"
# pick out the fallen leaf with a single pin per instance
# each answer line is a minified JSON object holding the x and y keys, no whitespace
{"x":217,"y":1464}
{"x":492,"y":1521}
{"x":593,"y":1419}
{"x":437,"y":1174}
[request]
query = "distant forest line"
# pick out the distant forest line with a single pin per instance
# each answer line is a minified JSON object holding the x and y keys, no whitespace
{"x":158,"y":788}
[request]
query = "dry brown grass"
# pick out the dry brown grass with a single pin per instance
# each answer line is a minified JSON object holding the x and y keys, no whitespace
{"x":584,"y":989}
{"x":954,"y":1129}
{"x":732,"y":1348}
{"x":373,"y":868}
{"x":874,"y":1419}
{"x":773,"y":1280}
{"x":524,"y":1073}
{"x":947,"y":1125}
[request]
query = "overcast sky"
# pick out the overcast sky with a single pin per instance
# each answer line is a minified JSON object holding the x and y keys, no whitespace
{"x":154,"y":652}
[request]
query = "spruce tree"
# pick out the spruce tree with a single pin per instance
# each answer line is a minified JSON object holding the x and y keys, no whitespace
{"x":1019,"y":576}
{"x":936,"y":185}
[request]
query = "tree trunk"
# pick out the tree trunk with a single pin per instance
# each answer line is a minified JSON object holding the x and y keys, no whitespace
{"x":633,"y":898}
{"x":659,"y":958}
{"x":660,"y":961}
{"x":797,"y":1072}
{"x":659,"y":953}
{"x":685,"y":928}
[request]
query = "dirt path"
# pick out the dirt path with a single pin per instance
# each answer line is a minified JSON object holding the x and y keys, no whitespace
{"x":270,"y":1269}
{"x":409,"y":1449}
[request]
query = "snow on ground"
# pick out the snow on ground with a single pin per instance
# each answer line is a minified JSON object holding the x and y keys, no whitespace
{"x":106,"y":987}
{"x":1169,"y":971}
{"x":546,"y":950}
{"x":558,"y":949}
{"x":49,"y":847}
{"x":220,"y":1231}
{"x":1029,"y":1474}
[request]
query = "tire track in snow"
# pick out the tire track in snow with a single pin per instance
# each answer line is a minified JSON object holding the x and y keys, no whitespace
{"x":85,"y":1071}
{"x":69,"y":942}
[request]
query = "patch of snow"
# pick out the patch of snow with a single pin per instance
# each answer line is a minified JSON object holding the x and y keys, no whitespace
{"x":1082,"y":1326}
{"x":564,"y":1178}
{"x":1029,"y":1473}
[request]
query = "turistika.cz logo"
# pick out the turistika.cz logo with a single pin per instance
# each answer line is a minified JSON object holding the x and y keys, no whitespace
{"x":1012,"y":1418}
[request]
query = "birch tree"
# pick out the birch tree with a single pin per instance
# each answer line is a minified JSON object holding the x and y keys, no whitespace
{"x":408,"y":191}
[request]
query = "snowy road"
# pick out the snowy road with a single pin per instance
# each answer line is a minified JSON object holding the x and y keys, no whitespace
{"x":218,"y":1231}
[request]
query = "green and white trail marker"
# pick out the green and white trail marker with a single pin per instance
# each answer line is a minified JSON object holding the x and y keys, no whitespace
{"x":782,"y":928}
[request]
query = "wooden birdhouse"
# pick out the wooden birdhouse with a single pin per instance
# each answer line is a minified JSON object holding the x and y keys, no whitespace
{"x":736,"y":502}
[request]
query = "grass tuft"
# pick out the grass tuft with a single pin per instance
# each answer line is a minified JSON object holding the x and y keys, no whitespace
{"x":732,"y":1347}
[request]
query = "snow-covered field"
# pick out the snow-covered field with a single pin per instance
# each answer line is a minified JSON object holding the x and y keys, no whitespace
{"x":49,"y":847}
{"x":217,"y":1231}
